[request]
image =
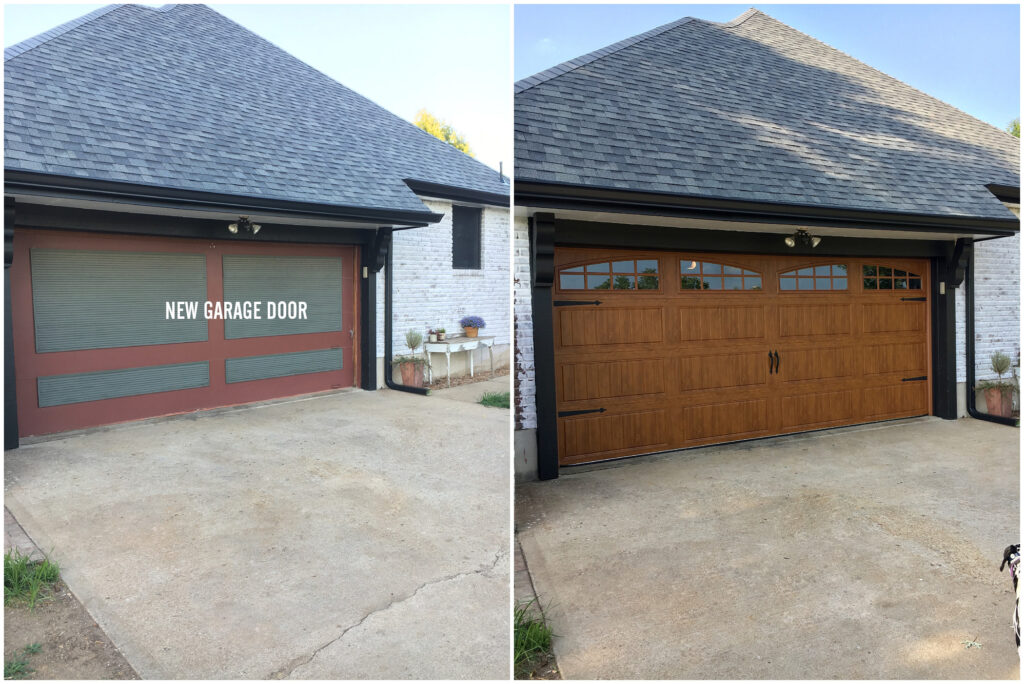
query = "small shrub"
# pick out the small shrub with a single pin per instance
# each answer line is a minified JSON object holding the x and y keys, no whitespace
{"x":413,"y":339}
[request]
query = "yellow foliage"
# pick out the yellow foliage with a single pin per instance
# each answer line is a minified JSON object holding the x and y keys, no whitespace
{"x":441,"y":130}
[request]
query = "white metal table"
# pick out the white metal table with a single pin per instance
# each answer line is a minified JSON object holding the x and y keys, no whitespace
{"x":457,"y":344}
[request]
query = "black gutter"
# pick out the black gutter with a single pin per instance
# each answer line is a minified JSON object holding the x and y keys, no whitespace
{"x":971,"y":398}
{"x":595,"y":199}
{"x":50,"y":185}
{"x":451,"y":192}
{"x":388,"y":323}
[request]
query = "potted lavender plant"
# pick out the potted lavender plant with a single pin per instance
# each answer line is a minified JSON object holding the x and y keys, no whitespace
{"x":472,"y":324}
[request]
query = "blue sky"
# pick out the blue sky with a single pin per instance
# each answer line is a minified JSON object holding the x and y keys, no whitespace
{"x":451,"y":59}
{"x":966,"y":55}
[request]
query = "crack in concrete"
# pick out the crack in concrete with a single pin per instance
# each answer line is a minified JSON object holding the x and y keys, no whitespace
{"x":300,"y":661}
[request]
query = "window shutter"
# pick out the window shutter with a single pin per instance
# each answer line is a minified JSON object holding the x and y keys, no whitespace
{"x":466,"y":223}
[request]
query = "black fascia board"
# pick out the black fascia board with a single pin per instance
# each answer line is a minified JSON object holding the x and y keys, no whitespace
{"x":1005,"y":193}
{"x":458,"y":194}
{"x":587,"y":198}
{"x":50,"y":185}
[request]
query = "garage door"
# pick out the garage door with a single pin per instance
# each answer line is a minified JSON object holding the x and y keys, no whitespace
{"x":657,"y":350}
{"x":94,"y":343}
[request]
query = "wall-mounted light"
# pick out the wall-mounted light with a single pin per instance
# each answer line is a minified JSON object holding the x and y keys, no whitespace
{"x":245,"y":225}
{"x":802,"y":238}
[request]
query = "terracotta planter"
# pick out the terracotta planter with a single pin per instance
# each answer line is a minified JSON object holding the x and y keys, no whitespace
{"x":412,"y":374}
{"x":999,"y":402}
{"x":471,"y":332}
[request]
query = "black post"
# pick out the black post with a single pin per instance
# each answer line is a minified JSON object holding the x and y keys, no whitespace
{"x":542,"y":263}
{"x":10,"y":387}
{"x":368,"y":312}
{"x":943,"y":278}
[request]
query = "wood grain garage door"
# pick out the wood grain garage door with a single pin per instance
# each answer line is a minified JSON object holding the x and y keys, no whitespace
{"x":657,"y":350}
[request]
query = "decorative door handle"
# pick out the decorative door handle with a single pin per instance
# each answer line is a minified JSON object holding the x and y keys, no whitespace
{"x":776,"y":361}
{"x":770,"y":362}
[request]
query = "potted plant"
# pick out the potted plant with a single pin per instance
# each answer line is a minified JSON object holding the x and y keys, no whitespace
{"x":472,"y":325}
{"x":440,"y":334}
{"x":998,"y":393}
{"x":411,"y":366}
{"x":432,"y":335}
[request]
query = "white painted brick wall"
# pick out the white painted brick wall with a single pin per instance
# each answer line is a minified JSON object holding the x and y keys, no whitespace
{"x":997,"y":306}
{"x":429,"y":293}
{"x":523,"y":367}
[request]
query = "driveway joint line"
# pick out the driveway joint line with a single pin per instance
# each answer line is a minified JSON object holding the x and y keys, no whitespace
{"x":296,"y":663}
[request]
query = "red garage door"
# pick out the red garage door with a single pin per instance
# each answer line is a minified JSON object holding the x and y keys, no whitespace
{"x":95,"y":343}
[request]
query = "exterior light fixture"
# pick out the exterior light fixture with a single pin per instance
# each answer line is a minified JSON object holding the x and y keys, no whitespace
{"x":245,"y":224}
{"x":802,"y":238}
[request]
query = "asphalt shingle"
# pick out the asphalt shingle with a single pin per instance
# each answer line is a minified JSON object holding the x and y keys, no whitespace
{"x":182,"y":97}
{"x":755,"y":110}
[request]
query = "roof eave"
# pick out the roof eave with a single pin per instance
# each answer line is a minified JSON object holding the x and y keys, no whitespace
{"x":457,"y":194}
{"x":566,"y":196}
{"x":50,"y":185}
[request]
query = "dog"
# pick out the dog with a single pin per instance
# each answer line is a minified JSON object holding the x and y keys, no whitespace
{"x":1011,"y":557}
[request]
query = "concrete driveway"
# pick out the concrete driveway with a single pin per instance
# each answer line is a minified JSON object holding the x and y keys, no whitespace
{"x":868,"y":552}
{"x":345,"y":536}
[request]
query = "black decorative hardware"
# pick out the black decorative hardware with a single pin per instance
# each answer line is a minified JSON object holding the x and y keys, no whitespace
{"x":913,"y":299}
{"x":776,"y":361}
{"x":920,"y":377}
{"x":770,"y":363}
{"x":573,"y":302}
{"x":563,"y":414}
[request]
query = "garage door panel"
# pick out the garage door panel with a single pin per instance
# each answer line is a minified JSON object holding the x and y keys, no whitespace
{"x":723,"y":371}
{"x":726,"y":322}
{"x":73,"y":388}
{"x":604,"y":326}
{"x":907,"y":398}
{"x":315,"y":280}
{"x":279,"y":365}
{"x":93,"y":299}
{"x":613,"y":379}
{"x":809,"y":410}
{"x":725,"y":420}
{"x":898,"y":357}
{"x":796,"y":365}
{"x":894,"y":317}
{"x":598,"y":436}
{"x":815,"y":320}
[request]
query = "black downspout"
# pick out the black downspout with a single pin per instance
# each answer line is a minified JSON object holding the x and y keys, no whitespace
{"x":388,"y":244}
{"x":972,"y":409}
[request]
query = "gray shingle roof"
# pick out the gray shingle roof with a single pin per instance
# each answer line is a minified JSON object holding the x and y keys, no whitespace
{"x":755,"y":110}
{"x":182,"y":97}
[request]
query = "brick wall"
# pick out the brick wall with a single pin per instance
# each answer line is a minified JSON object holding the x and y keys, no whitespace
{"x":429,"y":293}
{"x":997,"y":306}
{"x":522,"y":365}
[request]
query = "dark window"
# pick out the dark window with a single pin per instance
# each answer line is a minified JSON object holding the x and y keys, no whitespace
{"x":466,"y":237}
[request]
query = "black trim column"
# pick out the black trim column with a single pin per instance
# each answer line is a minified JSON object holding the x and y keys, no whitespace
{"x":542,"y":268}
{"x":945,"y":274}
{"x":10,"y":388}
{"x":369,"y":257}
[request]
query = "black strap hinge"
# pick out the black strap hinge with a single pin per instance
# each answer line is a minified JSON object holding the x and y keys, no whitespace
{"x":563,"y":414}
{"x":919,"y":377}
{"x":573,"y":302}
{"x":913,"y":299}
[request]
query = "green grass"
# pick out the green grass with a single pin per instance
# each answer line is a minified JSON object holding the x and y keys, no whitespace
{"x":18,"y":667}
{"x":532,"y":635}
{"x":495,"y":399}
{"x":26,"y":581}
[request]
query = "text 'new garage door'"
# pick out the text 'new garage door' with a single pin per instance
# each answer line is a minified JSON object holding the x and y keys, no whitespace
{"x":95,"y":342}
{"x":657,"y":351}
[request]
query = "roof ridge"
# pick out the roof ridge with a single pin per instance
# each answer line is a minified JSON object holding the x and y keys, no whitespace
{"x":573,"y":64}
{"x":751,"y":13}
{"x":57,"y":31}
